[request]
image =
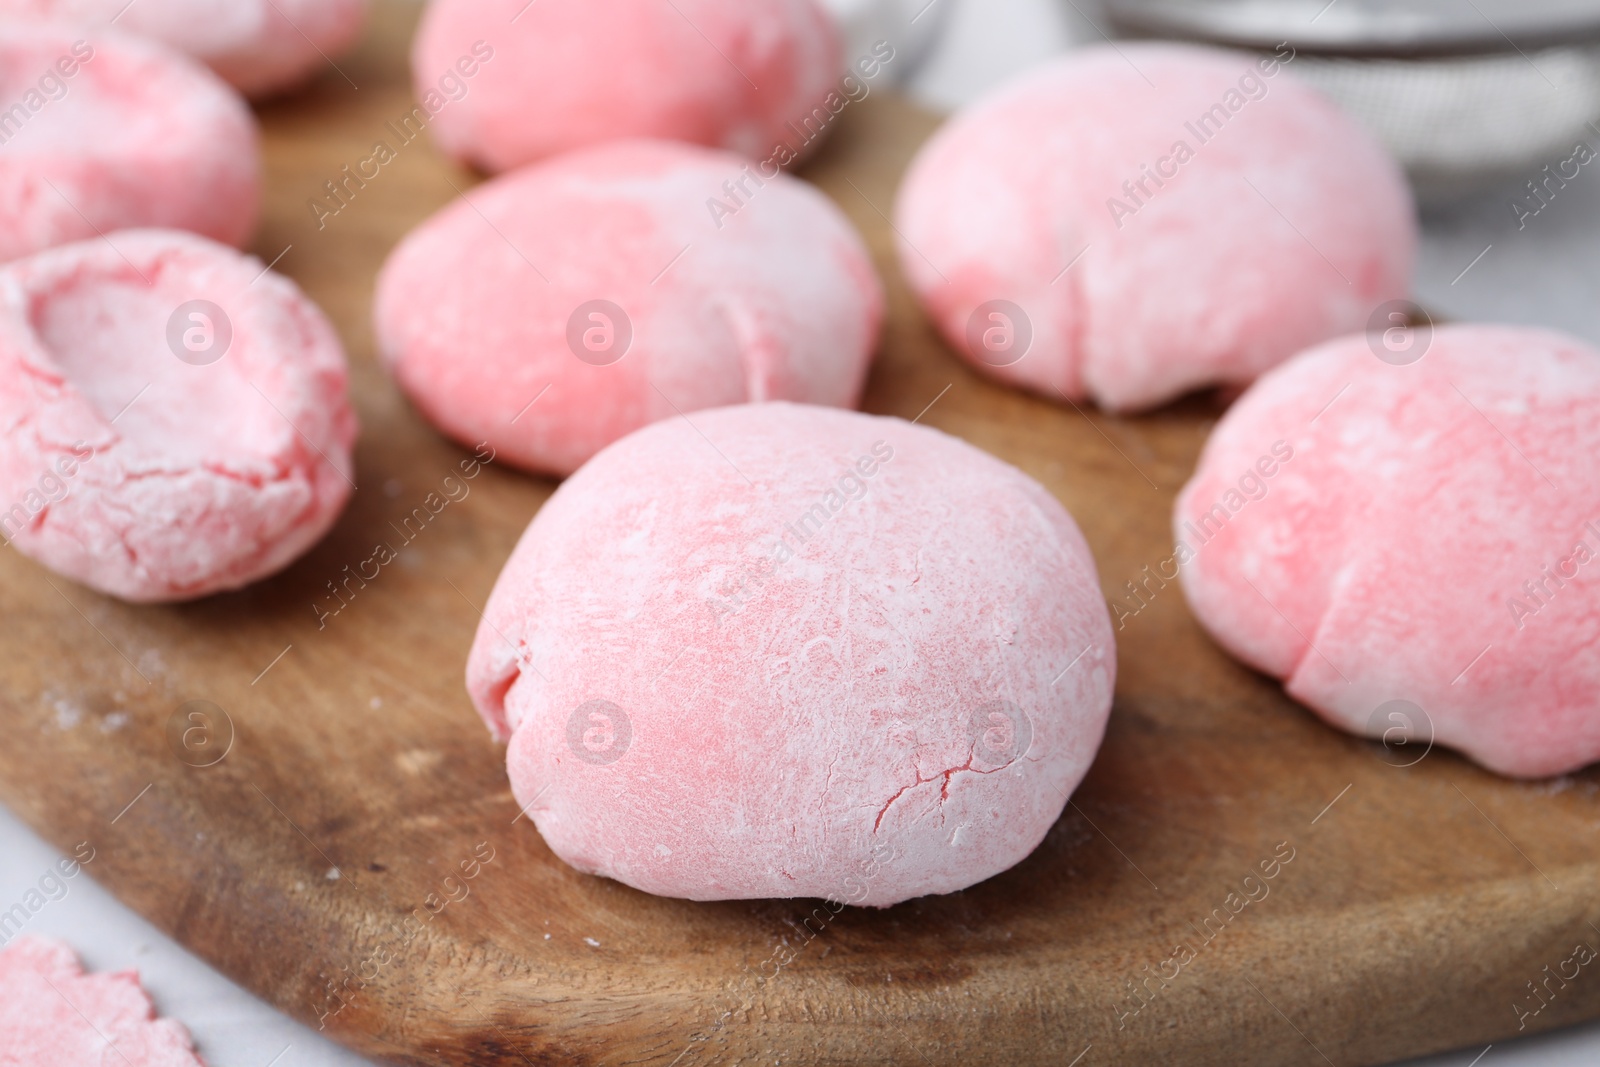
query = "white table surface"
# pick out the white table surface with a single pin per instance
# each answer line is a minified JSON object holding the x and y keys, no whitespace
{"x":1548,"y":274}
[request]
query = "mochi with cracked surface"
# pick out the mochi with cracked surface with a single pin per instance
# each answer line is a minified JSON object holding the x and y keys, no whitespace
{"x":176,"y":416}
{"x":792,"y":651}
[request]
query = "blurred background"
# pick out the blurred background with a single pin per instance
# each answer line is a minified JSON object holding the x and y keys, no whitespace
{"x":1492,"y":105}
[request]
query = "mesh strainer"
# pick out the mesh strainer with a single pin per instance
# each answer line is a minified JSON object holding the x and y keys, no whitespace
{"x":1466,"y":93}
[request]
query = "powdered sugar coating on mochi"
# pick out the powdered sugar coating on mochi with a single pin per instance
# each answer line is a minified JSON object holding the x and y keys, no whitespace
{"x":1276,"y":225}
{"x":54,"y":1015}
{"x":101,"y":131}
{"x":1435,"y":539}
{"x":483,"y":311}
{"x":258,"y":46}
{"x":144,"y":475}
{"x":875,"y":670}
{"x":569,"y":73}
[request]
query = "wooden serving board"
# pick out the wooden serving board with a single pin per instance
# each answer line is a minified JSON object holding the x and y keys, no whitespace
{"x":320,"y":862}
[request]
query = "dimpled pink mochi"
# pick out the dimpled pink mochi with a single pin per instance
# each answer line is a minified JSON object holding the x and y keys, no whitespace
{"x":175,"y":416}
{"x":508,"y":82}
{"x":54,"y":1015}
{"x":559,"y":308}
{"x":102,"y":131}
{"x":1413,"y":545}
{"x":790,"y":651}
{"x":259,"y":46}
{"x":1129,"y":225}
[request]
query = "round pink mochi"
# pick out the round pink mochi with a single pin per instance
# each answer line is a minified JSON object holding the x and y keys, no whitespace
{"x":176,"y":418}
{"x":510,"y":82}
{"x":1415,"y":548}
{"x":102,"y":131}
{"x":789,"y":651}
{"x":259,"y":46}
{"x":52,"y":1014}
{"x":557,"y":309}
{"x":1130,"y":224}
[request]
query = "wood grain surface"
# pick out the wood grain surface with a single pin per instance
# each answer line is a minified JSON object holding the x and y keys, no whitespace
{"x":356,"y":858}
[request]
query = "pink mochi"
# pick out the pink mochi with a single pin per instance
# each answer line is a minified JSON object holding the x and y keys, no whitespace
{"x":788,"y":651}
{"x":54,"y":1015}
{"x":101,"y":131}
{"x":259,"y":46}
{"x":509,"y":82}
{"x":1152,"y":219}
{"x":557,"y":309}
{"x":157,"y":447}
{"x":1426,"y":533}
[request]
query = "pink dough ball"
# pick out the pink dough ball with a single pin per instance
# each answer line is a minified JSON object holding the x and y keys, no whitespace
{"x":1425,"y":533}
{"x":789,"y":651}
{"x":176,"y":418}
{"x":508,"y":82}
{"x":259,"y":46}
{"x":54,"y":1015}
{"x":557,"y":309}
{"x":102,"y":131}
{"x":1279,"y":223}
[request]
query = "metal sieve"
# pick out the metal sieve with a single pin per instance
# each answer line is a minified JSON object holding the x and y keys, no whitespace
{"x":1467,"y":94}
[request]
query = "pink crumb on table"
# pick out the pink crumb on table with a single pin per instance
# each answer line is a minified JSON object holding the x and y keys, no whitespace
{"x":1155,"y":218}
{"x":260,"y":47}
{"x":1424,"y":532}
{"x":792,"y":651}
{"x":559,"y":308}
{"x":101,"y":131}
{"x":177,"y":419}
{"x":559,"y":74}
{"x":52,"y":1014}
